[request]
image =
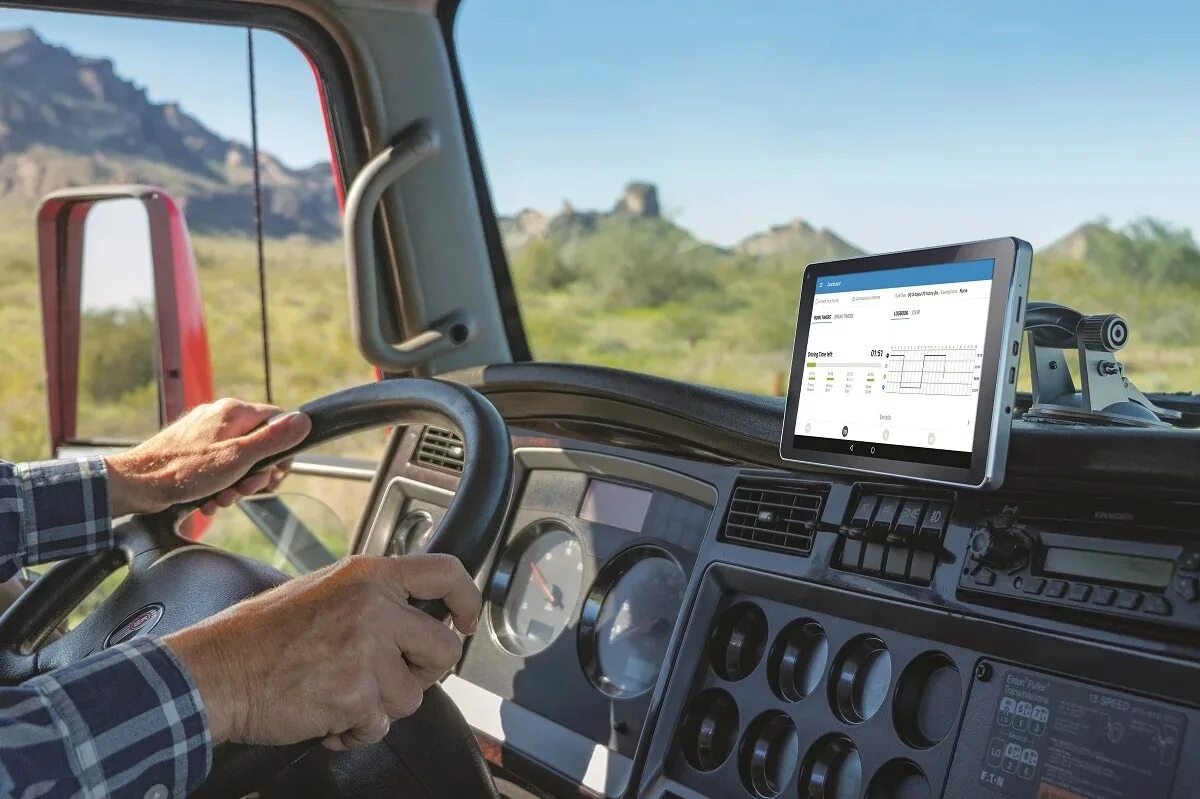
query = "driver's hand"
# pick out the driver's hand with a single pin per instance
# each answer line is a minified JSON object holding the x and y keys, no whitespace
{"x":337,"y":654}
{"x":206,"y":452}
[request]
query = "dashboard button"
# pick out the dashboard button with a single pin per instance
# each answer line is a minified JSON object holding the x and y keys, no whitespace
{"x":1129,"y":600}
{"x":1157,"y":606}
{"x":885,"y":514}
{"x":1056,"y":589}
{"x":936,"y":516}
{"x":1186,"y":587}
{"x":897,"y":562}
{"x":862,"y":513}
{"x":1033,"y":585}
{"x":1103,"y":596}
{"x":910,"y":516}
{"x":851,"y":553}
{"x":1079,"y":592}
{"x":985,"y":577}
{"x":1190,"y":561}
{"x":922,"y":566}
{"x":872,"y":560}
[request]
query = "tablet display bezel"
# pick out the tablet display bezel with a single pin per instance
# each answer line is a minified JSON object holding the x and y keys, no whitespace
{"x":990,"y":442}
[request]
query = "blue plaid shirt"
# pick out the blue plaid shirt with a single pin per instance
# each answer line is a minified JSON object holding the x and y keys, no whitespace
{"x":125,"y":721}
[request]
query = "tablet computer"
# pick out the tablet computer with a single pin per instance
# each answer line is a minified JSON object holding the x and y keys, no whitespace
{"x":905,"y":364}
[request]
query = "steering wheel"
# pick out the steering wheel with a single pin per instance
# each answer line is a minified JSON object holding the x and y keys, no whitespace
{"x":173,"y":582}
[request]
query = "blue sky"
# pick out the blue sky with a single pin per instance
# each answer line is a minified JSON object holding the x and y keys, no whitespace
{"x":896,"y":124}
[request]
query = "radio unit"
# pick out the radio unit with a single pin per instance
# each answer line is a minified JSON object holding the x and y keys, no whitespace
{"x":1131,"y":563}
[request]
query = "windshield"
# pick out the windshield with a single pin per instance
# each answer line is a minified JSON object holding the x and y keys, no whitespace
{"x":663,"y":176}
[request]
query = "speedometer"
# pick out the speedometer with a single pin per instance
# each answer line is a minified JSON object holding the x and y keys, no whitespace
{"x":628,"y":619}
{"x":543,"y":576}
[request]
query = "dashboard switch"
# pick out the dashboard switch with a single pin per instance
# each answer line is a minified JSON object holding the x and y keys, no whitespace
{"x":1103,"y":596}
{"x":922,"y":566}
{"x":910,"y":516}
{"x":1156,"y":606}
{"x":851,"y":553}
{"x":1056,"y":589}
{"x":885,"y":514}
{"x":872,"y":560}
{"x":936,"y":516}
{"x":1079,"y":592}
{"x":862,"y":513}
{"x":1129,"y":600}
{"x":897,"y":562}
{"x":1033,"y":585}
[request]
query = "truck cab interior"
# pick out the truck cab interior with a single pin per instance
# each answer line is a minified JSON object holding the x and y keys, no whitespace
{"x":587,"y":407}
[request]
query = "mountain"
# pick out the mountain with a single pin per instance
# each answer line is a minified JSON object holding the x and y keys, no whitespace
{"x":639,"y":205}
{"x":798,"y":236}
{"x":1077,"y":244}
{"x":68,"y":120}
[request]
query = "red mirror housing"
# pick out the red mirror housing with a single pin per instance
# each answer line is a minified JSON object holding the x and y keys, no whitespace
{"x":184,"y":367}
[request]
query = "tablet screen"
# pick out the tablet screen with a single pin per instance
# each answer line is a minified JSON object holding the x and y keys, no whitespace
{"x":893,"y":363}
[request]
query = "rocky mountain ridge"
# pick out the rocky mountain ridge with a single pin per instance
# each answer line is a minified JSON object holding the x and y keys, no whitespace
{"x":70,"y":120}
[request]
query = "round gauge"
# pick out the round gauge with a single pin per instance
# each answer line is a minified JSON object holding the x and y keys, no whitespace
{"x":627,"y":620}
{"x":544,"y":577}
{"x":412,"y":533}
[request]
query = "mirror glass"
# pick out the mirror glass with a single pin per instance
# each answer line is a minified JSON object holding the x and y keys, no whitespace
{"x":118,"y":348}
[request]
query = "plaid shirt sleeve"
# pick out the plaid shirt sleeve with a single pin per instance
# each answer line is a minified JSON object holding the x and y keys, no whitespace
{"x":52,"y":510}
{"x":125,"y":721}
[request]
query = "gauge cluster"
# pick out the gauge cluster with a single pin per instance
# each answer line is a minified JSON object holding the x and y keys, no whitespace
{"x":584,"y":596}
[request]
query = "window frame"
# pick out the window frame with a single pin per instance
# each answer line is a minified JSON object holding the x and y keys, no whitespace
{"x":510,"y":308}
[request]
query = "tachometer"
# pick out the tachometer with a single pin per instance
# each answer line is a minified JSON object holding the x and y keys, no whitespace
{"x":627,"y":620}
{"x":543,"y":572}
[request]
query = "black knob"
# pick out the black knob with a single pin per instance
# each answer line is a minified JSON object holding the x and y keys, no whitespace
{"x":1103,"y":332}
{"x":999,"y":547}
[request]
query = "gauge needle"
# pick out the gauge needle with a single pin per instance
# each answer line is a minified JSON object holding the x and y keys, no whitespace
{"x":545,"y":586}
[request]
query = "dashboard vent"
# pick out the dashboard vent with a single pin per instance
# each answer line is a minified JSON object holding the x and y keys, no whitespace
{"x":774,"y":515}
{"x":440,"y":449}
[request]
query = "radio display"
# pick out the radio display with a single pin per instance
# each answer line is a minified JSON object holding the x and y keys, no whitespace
{"x":1148,"y":572}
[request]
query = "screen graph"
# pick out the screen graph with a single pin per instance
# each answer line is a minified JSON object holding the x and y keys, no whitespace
{"x":934,"y":371}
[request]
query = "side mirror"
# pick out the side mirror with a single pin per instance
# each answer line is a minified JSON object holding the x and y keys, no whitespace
{"x":122,"y":314}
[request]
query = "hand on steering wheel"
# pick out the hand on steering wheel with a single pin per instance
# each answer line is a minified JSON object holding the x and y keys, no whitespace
{"x":188,"y":583}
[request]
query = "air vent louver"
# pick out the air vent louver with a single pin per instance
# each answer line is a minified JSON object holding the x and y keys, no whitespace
{"x":440,"y":449}
{"x":774,"y":515}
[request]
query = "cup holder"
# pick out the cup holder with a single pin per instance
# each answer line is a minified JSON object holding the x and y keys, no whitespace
{"x":899,"y":779}
{"x":738,"y":641}
{"x":769,"y":753}
{"x":709,"y":729}
{"x":928,"y":696}
{"x":798,"y":660}
{"x":832,"y":770}
{"x":860,"y":679}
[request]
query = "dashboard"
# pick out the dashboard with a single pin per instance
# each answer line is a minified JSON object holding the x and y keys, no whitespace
{"x":675,"y":612}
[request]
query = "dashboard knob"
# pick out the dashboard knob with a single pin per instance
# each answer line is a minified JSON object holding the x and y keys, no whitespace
{"x":999,"y":547}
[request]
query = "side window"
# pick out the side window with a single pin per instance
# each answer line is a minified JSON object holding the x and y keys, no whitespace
{"x":90,"y":100}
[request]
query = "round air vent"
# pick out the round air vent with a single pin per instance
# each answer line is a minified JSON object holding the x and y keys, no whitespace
{"x":928,"y":695}
{"x":860,"y":678}
{"x":709,"y":729}
{"x":798,"y":660}
{"x":769,"y":754}
{"x":738,"y":641}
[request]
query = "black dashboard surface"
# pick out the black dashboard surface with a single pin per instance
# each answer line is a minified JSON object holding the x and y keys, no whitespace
{"x":1120,"y":490}
{"x":745,"y":428}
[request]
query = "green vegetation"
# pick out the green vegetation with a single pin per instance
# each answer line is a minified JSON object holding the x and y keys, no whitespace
{"x":642,"y":294}
{"x":635,"y":293}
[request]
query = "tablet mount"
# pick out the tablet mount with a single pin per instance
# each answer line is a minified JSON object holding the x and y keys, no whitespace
{"x":1108,"y":396}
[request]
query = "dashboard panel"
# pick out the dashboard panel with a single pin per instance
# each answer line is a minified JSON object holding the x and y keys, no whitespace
{"x":816,"y":629}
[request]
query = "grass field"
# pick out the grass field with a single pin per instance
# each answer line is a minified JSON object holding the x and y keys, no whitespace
{"x":637,"y":294}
